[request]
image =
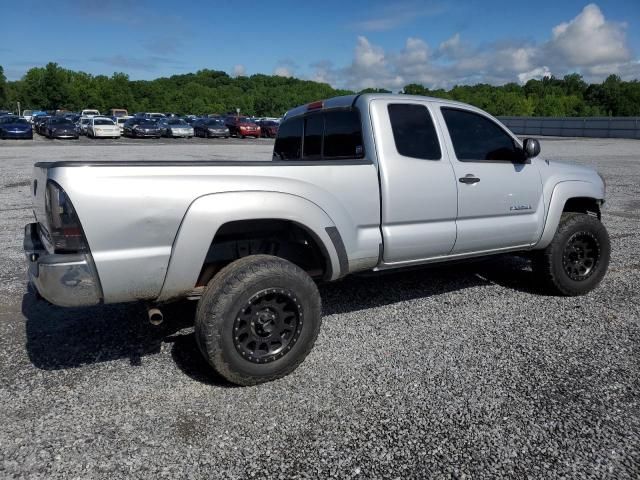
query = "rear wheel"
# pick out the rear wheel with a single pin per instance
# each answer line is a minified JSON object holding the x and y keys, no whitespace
{"x":258,"y":319}
{"x":577,"y":258}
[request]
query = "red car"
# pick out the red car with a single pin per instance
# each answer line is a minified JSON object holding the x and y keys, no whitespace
{"x":242,"y":127}
{"x":269,"y":128}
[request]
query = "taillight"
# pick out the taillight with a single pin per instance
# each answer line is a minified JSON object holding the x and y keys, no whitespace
{"x":65,"y":231}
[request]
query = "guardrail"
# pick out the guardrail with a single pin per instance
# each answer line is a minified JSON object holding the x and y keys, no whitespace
{"x":596,"y":127}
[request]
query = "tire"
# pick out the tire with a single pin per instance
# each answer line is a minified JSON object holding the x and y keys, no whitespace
{"x":577,"y":258}
{"x":227,"y":305}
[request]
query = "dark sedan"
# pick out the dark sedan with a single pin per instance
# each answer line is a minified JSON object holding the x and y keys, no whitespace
{"x":141,"y":127}
{"x":61,"y":127}
{"x":40,"y":122}
{"x":242,"y":127}
{"x":268,"y":128}
{"x":210,"y":127}
{"x":15,"y":127}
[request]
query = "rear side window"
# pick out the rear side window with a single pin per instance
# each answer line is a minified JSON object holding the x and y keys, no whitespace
{"x":313,"y":130}
{"x":330,"y":135}
{"x":288,"y":145}
{"x":342,"y":135}
{"x":413,"y":131}
{"x":476,"y":138}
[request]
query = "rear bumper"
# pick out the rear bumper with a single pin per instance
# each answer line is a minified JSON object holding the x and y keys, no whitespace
{"x":67,"y":280}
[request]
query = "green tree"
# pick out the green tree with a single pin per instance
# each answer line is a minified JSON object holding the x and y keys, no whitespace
{"x":3,"y":88}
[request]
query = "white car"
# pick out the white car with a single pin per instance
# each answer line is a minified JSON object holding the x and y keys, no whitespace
{"x":27,"y":115}
{"x":89,"y":113}
{"x":120,"y":122}
{"x":103,"y":127}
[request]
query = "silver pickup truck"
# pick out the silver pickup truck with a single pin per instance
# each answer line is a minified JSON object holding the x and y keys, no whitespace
{"x":356,"y":183}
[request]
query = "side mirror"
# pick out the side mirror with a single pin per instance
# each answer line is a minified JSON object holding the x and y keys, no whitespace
{"x":531,"y":147}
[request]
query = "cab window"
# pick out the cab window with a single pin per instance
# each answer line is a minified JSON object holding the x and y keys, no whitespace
{"x":476,"y":138}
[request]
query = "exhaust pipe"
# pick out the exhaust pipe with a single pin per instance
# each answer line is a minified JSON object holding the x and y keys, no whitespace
{"x":155,"y":316}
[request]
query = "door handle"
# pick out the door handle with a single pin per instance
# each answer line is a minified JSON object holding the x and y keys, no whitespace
{"x":469,"y":179}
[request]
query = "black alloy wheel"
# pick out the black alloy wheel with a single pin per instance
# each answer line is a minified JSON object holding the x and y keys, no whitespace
{"x":580,"y":255}
{"x":258,"y":319}
{"x":576,"y":260}
{"x":268,"y":325}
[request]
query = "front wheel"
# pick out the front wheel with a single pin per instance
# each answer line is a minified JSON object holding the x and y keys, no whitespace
{"x":577,"y":258}
{"x":258,"y":319}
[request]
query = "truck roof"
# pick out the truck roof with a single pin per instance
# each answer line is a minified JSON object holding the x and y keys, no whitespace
{"x":347,"y":101}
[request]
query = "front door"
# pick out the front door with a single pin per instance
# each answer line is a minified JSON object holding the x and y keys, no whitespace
{"x":418,"y":187}
{"x":499,"y":192}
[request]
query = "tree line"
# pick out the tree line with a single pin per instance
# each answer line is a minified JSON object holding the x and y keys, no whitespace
{"x":211,"y":91}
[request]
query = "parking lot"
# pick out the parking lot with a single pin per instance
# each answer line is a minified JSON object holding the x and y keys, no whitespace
{"x":464,"y":371}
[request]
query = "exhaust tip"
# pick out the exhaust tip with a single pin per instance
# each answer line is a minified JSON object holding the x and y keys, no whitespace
{"x":155,"y":316}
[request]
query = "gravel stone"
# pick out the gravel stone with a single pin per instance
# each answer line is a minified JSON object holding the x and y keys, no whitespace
{"x":466,"y":371}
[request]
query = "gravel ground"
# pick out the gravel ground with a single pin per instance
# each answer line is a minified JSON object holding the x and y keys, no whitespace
{"x":465,"y":371}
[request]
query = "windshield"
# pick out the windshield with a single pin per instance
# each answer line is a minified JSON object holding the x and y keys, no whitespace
{"x":122,"y":120}
{"x":91,"y":112}
{"x":215,"y":122}
{"x":61,"y":121}
{"x":269,"y":124}
{"x":176,"y":121}
{"x":147,"y":124}
{"x":85,"y":120}
{"x":102,"y":121}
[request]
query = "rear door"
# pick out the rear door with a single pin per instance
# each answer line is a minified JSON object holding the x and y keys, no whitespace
{"x":499,"y":192}
{"x":417,"y":182}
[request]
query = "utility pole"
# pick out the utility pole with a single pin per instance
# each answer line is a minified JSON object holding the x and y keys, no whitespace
{"x":18,"y":108}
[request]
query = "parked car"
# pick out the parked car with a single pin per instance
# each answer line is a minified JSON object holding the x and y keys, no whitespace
{"x":12,"y":126}
{"x":268,"y":128}
{"x":242,"y":127}
{"x":27,"y":114}
{"x":367,"y":182}
{"x":155,"y":115}
{"x":141,"y":127}
{"x":176,"y":127}
{"x":102,"y":127}
{"x":118,"y":112}
{"x":40,"y":123}
{"x":120,"y":121}
{"x":35,"y":114}
{"x":211,"y":127}
{"x":83,"y":124}
{"x":90,"y":113}
{"x":60,"y":127}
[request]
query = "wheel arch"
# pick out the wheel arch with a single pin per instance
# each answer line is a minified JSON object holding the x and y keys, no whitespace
{"x":570,"y":196}
{"x":209,"y":215}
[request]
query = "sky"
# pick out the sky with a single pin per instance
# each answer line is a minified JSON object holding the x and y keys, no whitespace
{"x":348,"y":44}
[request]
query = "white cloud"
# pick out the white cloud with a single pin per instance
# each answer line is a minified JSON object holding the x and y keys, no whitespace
{"x":589,"y":44}
{"x":589,"y":39}
{"x":283,"y":72}
{"x":396,"y":14}
{"x":239,"y":70}
{"x":537,"y":73}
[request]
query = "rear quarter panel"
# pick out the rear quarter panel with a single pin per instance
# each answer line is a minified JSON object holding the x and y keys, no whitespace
{"x":131,"y":214}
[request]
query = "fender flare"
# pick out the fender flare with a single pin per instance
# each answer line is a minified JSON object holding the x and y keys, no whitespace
{"x":208,"y":213}
{"x":562,"y":192}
